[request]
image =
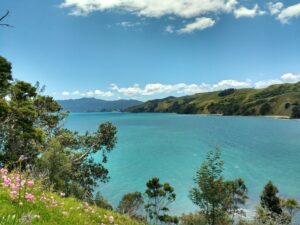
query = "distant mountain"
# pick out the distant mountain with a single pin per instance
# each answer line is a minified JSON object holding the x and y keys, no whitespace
{"x":281,"y":99}
{"x":96,"y":105}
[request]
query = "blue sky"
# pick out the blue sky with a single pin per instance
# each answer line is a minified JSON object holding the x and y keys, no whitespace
{"x":146,"y":49}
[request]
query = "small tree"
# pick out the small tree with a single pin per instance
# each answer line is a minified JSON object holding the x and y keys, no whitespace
{"x":159,"y":197}
{"x":291,"y":206}
{"x":269,"y":199}
{"x":236,"y":197}
{"x":101,"y":202}
{"x":131,"y":204}
{"x":296,"y":112}
{"x":210,"y":193}
{"x":265,"y":108}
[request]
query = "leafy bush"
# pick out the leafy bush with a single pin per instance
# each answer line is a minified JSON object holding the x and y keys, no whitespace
{"x":296,"y":112}
{"x":226,"y":92}
{"x":265,"y":108}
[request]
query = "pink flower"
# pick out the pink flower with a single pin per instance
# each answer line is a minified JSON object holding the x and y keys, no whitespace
{"x":3,"y":171}
{"x":15,"y":187}
{"x":30,"y":183}
{"x":6,"y":182}
{"x":62,"y":194}
{"x":13,"y":194}
{"x":29,"y":197}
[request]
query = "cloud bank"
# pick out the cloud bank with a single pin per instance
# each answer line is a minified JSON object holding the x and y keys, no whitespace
{"x":196,"y":14}
{"x":154,"y":90}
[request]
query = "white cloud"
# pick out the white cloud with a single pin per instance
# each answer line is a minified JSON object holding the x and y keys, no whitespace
{"x":103,"y":93}
{"x":200,"y":23}
{"x":180,"y":88}
{"x":290,"y":78}
{"x":275,"y":8}
{"x":266,"y":83}
{"x":245,"y":12}
{"x":65,"y":93}
{"x":169,"y":29}
{"x":128,"y":24}
{"x":153,"y":8}
{"x":152,"y":90}
{"x":288,"y":13}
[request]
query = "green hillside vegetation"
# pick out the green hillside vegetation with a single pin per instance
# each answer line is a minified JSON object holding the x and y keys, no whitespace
{"x":279,"y":100}
{"x":49,"y":208}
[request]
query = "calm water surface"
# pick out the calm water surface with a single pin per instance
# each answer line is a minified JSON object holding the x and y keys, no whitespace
{"x":172,"y":147}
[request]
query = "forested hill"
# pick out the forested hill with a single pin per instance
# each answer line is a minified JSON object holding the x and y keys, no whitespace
{"x":96,"y":105}
{"x":283,"y":100}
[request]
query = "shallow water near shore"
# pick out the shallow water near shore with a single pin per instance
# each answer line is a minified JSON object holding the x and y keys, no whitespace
{"x":172,"y":147}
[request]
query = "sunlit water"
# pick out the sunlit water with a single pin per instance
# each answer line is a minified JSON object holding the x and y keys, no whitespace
{"x":172,"y":147}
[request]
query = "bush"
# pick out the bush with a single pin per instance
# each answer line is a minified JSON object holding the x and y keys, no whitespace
{"x":265,"y":108}
{"x":226,"y":92}
{"x":296,"y":112}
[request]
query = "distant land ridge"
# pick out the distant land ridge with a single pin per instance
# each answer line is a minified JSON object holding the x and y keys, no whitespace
{"x":96,"y":105}
{"x":275,"y":100}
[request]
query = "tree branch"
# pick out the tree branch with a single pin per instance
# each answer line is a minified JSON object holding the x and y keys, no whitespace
{"x":3,"y":17}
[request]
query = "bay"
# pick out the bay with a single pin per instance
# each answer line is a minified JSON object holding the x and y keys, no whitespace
{"x":172,"y":147}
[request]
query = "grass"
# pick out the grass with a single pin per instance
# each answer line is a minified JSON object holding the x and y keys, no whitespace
{"x":51,"y":209}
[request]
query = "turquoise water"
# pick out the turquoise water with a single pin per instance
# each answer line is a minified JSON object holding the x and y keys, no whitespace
{"x":172,"y":147}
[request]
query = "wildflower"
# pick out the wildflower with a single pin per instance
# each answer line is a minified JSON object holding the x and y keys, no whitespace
{"x":15,"y":187}
{"x":111,"y":219}
{"x":62,"y":194}
{"x":23,"y":158}
{"x":29,"y":197}
{"x":30,"y":183}
{"x":3,"y":171}
{"x":13,"y":194}
{"x":6,"y":182}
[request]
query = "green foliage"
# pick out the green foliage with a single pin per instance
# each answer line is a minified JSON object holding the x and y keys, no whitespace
{"x":67,"y":211}
{"x":193,"y":219}
{"x":5,"y":76}
{"x":217,"y":199}
{"x":265,"y":108}
{"x":132,"y":204}
{"x":159,"y":197}
{"x":269,"y":199}
{"x":226,"y":92}
{"x":236,"y":192}
{"x":210,"y":195}
{"x":296,"y":112}
{"x":30,"y":127}
{"x":291,"y":206}
{"x":101,"y":202}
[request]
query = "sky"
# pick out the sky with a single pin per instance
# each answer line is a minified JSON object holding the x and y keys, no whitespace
{"x":146,"y":49}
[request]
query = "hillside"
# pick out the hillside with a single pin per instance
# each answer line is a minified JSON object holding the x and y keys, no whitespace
{"x":96,"y":105}
{"x":283,"y":100}
{"x":48,"y":208}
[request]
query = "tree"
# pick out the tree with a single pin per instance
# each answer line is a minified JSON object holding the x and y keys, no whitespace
{"x":132,"y":204}
{"x":236,"y":197}
{"x":217,"y":198}
{"x":291,"y":206}
{"x":269,"y":199}
{"x":101,"y":202}
{"x":159,"y":197}
{"x":296,"y":112}
{"x":265,"y":108}
{"x":210,"y":193}
{"x":30,"y":127}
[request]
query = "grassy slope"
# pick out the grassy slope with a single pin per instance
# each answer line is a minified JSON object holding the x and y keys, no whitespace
{"x":68,"y":211}
{"x":242,"y":102}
